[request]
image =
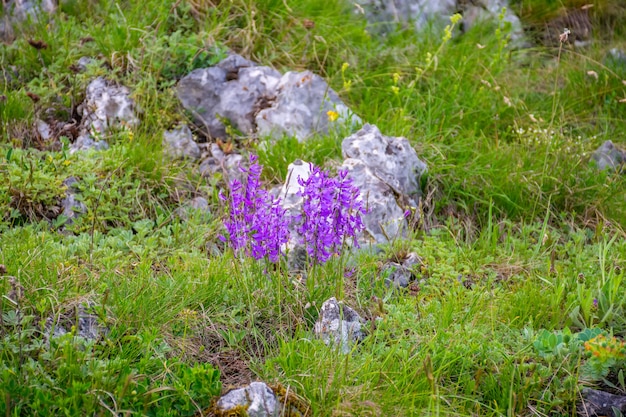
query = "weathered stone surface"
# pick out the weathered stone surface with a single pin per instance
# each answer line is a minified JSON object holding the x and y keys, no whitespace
{"x":88,"y":326}
{"x":258,"y":100}
{"x":301,"y":107}
{"x":84,"y":142}
{"x":387,"y":171}
{"x":72,"y":208}
{"x":233,"y":63}
{"x":401,"y":274}
{"x":257,"y":398}
{"x":391,"y":159}
{"x":290,"y":200}
{"x":234,"y":90}
{"x":242,"y":98}
{"x":219,"y":162}
{"x":600,"y":403}
{"x":84,"y":62}
{"x":608,"y":156}
{"x":484,"y":10}
{"x":17,"y":12}
{"x":339,"y":325}
{"x":199,"y":92}
{"x":384,"y":220}
{"x":107,"y":105}
{"x":297,"y":258}
{"x":86,"y":322}
{"x":384,"y":15}
{"x":179,"y":143}
{"x":44,"y":129}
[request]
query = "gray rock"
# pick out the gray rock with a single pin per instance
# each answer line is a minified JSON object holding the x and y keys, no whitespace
{"x":383,"y":15}
{"x":72,"y":208}
{"x":258,"y":100}
{"x":338,"y":325}
{"x":225,"y":164}
{"x":107,"y":105}
{"x":610,"y":157}
{"x":18,"y":12}
{"x":384,"y":220}
{"x":44,"y":129}
{"x":242,"y":98}
{"x":233,"y":63}
{"x":397,"y":275}
{"x":288,"y":194}
{"x":233,"y":90}
{"x":292,"y":203}
{"x":257,"y":398}
{"x":477,"y":12}
{"x":84,"y":142}
{"x":391,"y":159}
{"x":401,"y":274}
{"x":199,"y":92}
{"x":179,"y":143}
{"x":87,"y":326}
{"x":301,"y":108}
{"x":197,"y":204}
{"x":297,"y":261}
{"x":84,"y":62}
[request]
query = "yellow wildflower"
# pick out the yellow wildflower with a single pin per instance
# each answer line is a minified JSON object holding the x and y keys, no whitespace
{"x":332,"y":115}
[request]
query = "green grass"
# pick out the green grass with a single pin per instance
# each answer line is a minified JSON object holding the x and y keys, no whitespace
{"x":523,"y":246}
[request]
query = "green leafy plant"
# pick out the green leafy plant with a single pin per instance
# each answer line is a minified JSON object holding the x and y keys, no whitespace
{"x":604,"y":353}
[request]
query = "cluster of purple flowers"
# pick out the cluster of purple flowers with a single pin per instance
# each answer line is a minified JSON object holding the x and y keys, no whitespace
{"x":257,"y":223}
{"x":259,"y":226}
{"x":331,"y":213}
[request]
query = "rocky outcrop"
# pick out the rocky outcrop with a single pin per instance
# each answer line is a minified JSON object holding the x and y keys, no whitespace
{"x":238,"y":95}
{"x":383,"y":16}
{"x":339,"y":325}
{"x":107,"y":105}
{"x":387,"y":171}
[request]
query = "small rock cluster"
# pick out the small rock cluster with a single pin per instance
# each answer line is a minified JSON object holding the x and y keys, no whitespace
{"x":21,"y":12}
{"x":383,"y":15}
{"x":400,"y":274}
{"x":339,"y":325}
{"x":609,"y":157}
{"x":238,"y":94}
{"x":86,"y":322}
{"x":387,"y":172}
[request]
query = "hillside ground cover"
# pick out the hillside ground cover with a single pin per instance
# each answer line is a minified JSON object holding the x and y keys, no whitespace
{"x":519,"y":300}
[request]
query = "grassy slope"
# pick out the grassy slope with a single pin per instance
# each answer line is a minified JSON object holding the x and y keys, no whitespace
{"x":523,"y":236}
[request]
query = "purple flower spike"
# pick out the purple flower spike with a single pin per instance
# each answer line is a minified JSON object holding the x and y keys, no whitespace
{"x":331,"y":213}
{"x":257,"y":224}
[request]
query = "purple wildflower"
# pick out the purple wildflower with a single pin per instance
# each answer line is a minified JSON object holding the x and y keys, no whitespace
{"x":331,"y":213}
{"x":257,"y":223}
